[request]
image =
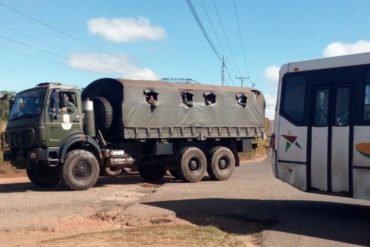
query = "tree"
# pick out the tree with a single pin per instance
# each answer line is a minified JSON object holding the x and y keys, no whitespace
{"x":5,"y":98}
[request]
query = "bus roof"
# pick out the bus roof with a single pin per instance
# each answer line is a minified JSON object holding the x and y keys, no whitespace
{"x":327,"y":63}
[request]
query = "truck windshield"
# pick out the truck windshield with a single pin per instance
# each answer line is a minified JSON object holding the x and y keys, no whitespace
{"x":28,"y":104}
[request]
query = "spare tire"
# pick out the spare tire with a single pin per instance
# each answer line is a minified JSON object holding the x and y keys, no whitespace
{"x":103,"y":114}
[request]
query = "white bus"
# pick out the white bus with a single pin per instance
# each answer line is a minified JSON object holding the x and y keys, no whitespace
{"x":322,"y":126}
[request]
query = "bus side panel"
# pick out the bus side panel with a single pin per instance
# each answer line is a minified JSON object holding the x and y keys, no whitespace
{"x":319,"y":158}
{"x":361,"y":162}
{"x":340,"y":159}
{"x":292,"y":154}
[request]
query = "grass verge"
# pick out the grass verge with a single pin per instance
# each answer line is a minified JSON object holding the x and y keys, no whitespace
{"x":179,"y":235}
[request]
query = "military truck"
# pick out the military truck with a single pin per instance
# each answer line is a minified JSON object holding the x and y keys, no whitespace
{"x":59,"y":133}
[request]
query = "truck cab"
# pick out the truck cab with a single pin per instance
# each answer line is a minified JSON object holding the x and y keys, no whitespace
{"x":42,"y":122}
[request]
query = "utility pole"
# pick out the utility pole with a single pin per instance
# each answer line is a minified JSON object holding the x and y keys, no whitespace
{"x":223,"y":70}
{"x":241,"y":78}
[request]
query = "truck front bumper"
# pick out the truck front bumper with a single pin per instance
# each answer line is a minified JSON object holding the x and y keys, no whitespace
{"x":22,"y":157}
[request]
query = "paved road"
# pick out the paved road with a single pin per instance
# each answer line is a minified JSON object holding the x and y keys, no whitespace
{"x":25,"y":206}
{"x":254,"y":201}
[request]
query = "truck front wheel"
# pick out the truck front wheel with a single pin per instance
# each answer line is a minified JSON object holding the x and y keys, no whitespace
{"x":193,"y":164}
{"x":80,"y":170}
{"x":42,"y":175}
{"x":221,"y":163}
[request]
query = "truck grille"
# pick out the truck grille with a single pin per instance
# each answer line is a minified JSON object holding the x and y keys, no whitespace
{"x":21,"y":138}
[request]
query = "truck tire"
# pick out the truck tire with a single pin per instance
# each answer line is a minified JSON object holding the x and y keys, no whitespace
{"x":193,"y":164}
{"x":103,"y":114}
{"x":221,"y":163}
{"x":80,"y":170}
{"x":152,"y":173}
{"x":110,"y":171}
{"x":175,"y":172}
{"x":42,"y":175}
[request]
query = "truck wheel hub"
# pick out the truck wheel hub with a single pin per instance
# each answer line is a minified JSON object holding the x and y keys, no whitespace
{"x":222,"y":163}
{"x":81,"y":170}
{"x":193,"y":164}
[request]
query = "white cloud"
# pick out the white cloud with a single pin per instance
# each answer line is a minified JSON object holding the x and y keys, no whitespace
{"x":340,"y":49}
{"x":126,"y":29}
{"x":117,"y":65}
{"x":270,"y":105}
{"x":271,"y":74}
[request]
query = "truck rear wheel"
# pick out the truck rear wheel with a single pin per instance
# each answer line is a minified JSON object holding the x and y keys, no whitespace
{"x":193,"y":164}
{"x":221,"y":163}
{"x":42,"y":175}
{"x":80,"y":170}
{"x":152,"y":172}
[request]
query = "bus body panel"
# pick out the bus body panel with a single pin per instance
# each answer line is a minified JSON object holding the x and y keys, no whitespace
{"x":292,"y":154}
{"x":319,"y":157}
{"x":333,"y":157}
{"x":340,"y":159}
{"x":361,"y":162}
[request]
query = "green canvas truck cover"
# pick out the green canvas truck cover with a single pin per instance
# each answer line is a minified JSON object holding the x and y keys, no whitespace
{"x":156,"y":109}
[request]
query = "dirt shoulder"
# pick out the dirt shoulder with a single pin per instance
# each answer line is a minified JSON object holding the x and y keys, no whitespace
{"x":109,"y":214}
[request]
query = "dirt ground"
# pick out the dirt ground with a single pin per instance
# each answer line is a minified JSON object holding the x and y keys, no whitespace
{"x":114,"y":225}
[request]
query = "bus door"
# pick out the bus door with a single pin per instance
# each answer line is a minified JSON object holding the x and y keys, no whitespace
{"x":330,"y":132}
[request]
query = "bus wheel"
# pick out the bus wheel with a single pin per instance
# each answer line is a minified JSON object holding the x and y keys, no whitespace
{"x":193,"y":164}
{"x":80,"y":170}
{"x":152,"y":172}
{"x":221,"y":163}
{"x":42,"y":175}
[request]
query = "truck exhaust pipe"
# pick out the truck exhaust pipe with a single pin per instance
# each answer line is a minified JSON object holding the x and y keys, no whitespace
{"x":89,"y":118}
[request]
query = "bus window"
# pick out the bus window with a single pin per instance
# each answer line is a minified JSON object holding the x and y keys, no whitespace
{"x":321,"y":108}
{"x":367,"y":99}
{"x":293,"y":98}
{"x":342,"y":106}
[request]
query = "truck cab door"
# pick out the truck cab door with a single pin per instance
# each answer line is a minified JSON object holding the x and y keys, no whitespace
{"x":63,"y":116}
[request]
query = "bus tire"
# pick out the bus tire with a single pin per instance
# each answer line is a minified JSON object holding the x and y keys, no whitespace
{"x":192,"y":165}
{"x":80,"y":170}
{"x":221,"y":163}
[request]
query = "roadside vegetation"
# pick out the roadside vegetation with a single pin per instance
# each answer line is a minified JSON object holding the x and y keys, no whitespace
{"x":5,"y":98}
{"x":180,"y":235}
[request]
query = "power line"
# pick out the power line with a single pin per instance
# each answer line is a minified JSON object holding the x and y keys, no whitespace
{"x":211,"y":44}
{"x":225,"y":36}
{"x":215,"y":33}
{"x":33,"y":47}
{"x":240,"y":37}
{"x":196,"y":17}
{"x":50,"y":26}
{"x":33,"y":38}
{"x":38,"y":49}
{"x":63,"y":32}
{"x":31,"y":55}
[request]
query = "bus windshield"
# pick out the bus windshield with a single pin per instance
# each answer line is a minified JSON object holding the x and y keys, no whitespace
{"x":28,"y":104}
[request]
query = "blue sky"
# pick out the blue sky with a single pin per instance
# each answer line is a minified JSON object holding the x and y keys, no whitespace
{"x":145,"y":39}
